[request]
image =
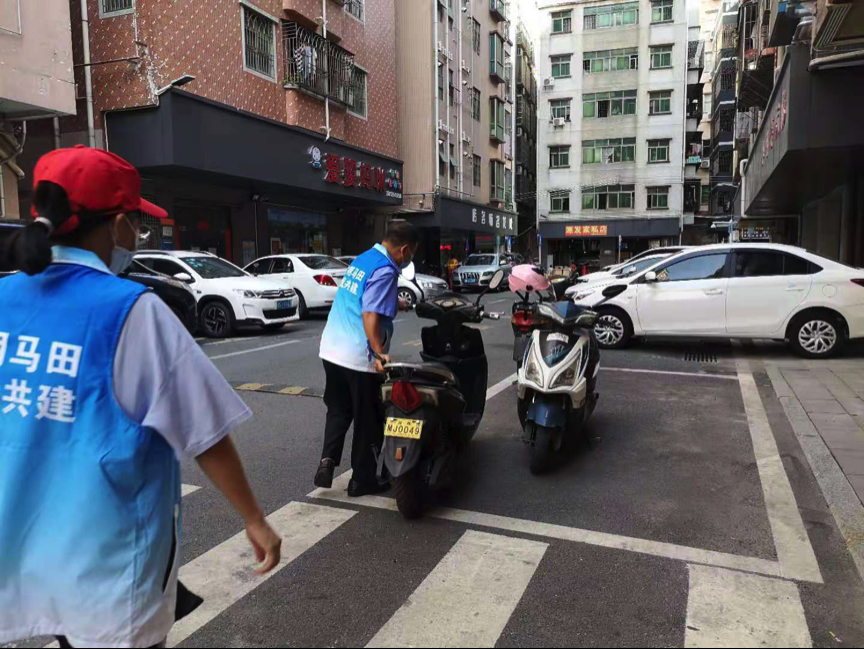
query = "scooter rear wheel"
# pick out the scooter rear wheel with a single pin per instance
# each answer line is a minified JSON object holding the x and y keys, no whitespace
{"x":543,"y":450}
{"x":409,"y":495}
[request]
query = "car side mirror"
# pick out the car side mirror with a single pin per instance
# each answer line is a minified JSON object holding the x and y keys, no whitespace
{"x":651,"y":277}
{"x":184,"y":277}
{"x":614,"y":291}
{"x":409,"y":272}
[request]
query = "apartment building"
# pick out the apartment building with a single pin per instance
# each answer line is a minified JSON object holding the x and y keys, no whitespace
{"x":526,"y":141}
{"x":611,"y":128}
{"x":262,"y":126}
{"x":456,"y":95}
{"x":36,"y":83}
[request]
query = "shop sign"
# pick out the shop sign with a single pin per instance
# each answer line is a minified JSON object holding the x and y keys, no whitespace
{"x":586,"y":231}
{"x":492,"y":220}
{"x":776,"y":126}
{"x":348,"y":172}
{"x":757,"y":233}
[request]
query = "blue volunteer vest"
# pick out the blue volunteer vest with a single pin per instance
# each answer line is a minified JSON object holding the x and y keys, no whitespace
{"x":344,"y":339}
{"x":89,"y":499}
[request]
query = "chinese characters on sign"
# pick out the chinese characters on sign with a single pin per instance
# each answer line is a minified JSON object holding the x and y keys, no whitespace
{"x":775,"y":127}
{"x":352,"y":280}
{"x":54,"y":402}
{"x":587,"y":231}
{"x":348,"y":172}
{"x":492,"y":220}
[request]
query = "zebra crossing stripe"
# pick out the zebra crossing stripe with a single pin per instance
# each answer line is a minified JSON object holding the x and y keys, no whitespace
{"x":224,"y":574}
{"x":467,"y":600}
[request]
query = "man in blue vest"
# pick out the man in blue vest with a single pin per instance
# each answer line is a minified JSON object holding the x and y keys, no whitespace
{"x":360,"y":323}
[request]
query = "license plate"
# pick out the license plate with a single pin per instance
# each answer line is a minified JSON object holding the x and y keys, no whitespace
{"x":470,"y":280}
{"x":407,"y":428}
{"x":284,"y":304}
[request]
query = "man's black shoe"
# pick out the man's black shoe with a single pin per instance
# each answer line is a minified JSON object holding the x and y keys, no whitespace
{"x":357,"y":489}
{"x":324,"y":477}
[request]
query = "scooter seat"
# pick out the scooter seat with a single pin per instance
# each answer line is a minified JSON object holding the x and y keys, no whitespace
{"x":437,"y":372}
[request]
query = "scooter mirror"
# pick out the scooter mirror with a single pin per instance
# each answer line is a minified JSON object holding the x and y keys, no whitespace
{"x":409,"y":272}
{"x":614,"y":291}
{"x":497,"y":278}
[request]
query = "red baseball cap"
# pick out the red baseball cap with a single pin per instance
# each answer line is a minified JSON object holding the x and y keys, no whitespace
{"x":95,"y":181}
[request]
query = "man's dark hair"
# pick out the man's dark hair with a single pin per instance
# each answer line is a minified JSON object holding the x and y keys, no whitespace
{"x":401,"y":233}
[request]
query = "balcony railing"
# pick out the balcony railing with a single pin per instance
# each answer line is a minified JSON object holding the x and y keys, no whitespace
{"x":499,"y":9}
{"x":314,"y":64}
{"x":356,"y":8}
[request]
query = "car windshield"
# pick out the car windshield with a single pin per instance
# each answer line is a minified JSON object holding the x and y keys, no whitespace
{"x":480,"y":260}
{"x":322,"y":262}
{"x":637,"y":266}
{"x":213,"y":267}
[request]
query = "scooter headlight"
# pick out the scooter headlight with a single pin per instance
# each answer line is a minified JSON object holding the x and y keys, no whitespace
{"x":532,"y":370}
{"x":571,"y":375}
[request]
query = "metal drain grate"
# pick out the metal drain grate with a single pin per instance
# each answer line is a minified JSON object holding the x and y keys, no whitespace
{"x":700,"y":356}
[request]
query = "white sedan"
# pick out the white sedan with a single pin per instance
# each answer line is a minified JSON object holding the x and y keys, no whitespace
{"x":316,"y":278}
{"x":617,"y":272}
{"x":738,"y":291}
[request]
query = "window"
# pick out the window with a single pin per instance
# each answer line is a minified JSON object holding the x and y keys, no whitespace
{"x":358,"y":93}
{"x":611,"y":16}
{"x":475,"y":35}
{"x":281,"y":266}
{"x":661,"y":57}
{"x":260,"y":267}
{"x":660,"y":102}
{"x":166,"y":267}
{"x":475,"y":104}
{"x":765,"y":263}
{"x":562,"y":22}
{"x":452,"y":94}
{"x":559,"y":157}
{"x":109,"y":8}
{"x":610,"y":61}
{"x":706,"y":194}
{"x":478,"y":171}
{"x":560,"y":109}
{"x":560,"y":201}
{"x":356,"y":8}
{"x":661,"y":11}
{"x":497,"y":119}
{"x":259,"y":40}
{"x":497,"y":176}
{"x":609,"y":104}
{"x":610,"y":197}
{"x":441,"y":82}
{"x":695,"y":268}
{"x":496,"y":55}
{"x":658,"y":151}
{"x":561,"y":66}
{"x":609,"y":151}
{"x":658,"y":198}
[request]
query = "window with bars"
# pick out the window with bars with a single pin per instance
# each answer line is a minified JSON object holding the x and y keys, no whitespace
{"x":356,"y":8}
{"x":706,"y":194}
{"x":115,"y":7}
{"x":358,"y":93}
{"x":560,"y":108}
{"x":661,"y":11}
{"x":475,"y":35}
{"x":452,"y":88}
{"x":561,"y":66}
{"x":559,"y":157}
{"x":497,"y":119}
{"x":658,"y":198}
{"x":609,"y":151}
{"x":658,"y":151}
{"x":441,"y":82}
{"x":610,"y":60}
{"x":260,"y":43}
{"x":562,"y":22}
{"x":725,"y":163}
{"x":660,"y":102}
{"x":661,"y":57}
{"x":316,"y":64}
{"x":478,"y":171}
{"x":611,"y":16}
{"x":475,"y":104}
{"x":609,"y":104}
{"x":609,"y":197}
{"x":498,"y":190}
{"x":728,"y":77}
{"x":560,"y":201}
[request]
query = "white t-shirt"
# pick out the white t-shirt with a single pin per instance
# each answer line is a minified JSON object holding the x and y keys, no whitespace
{"x":163,"y":380}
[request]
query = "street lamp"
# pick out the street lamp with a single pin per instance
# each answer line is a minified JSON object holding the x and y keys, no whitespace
{"x":181,"y":81}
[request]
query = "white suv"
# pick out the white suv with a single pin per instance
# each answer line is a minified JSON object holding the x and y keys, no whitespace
{"x":227,"y":296}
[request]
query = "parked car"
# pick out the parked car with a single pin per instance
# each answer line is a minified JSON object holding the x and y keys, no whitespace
{"x":408,"y":291}
{"x":739,"y":291}
{"x":617,"y":272}
{"x":316,"y":278}
{"x":227,"y":296}
{"x":174,"y":293}
{"x":477,"y":271}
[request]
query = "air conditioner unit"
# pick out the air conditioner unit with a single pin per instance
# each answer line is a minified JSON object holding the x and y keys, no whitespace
{"x":468,"y":141}
{"x":440,"y":46}
{"x":549,"y":83}
{"x":465,"y":66}
{"x":706,"y":164}
{"x":559,"y":122}
{"x":441,"y":125}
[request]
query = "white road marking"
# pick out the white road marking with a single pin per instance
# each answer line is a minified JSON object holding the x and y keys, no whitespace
{"x":698,"y":375}
{"x":189,"y":489}
{"x":499,"y":387}
{"x":224,"y":574}
{"x":572,"y":534}
{"x":252,"y":351}
{"x":732,"y":609}
{"x":497,"y":301}
{"x":232,"y":341}
{"x":467,"y":600}
{"x":794,"y":551}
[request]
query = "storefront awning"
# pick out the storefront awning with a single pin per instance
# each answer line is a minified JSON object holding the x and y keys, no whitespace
{"x":628,"y":229}
{"x":189,"y":136}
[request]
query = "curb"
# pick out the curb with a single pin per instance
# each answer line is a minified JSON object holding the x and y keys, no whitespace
{"x":269,"y":388}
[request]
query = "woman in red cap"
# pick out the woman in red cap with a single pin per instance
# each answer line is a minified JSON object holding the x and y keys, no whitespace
{"x":102,"y":393}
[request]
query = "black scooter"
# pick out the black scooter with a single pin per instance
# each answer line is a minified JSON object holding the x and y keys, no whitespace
{"x":434,"y":408}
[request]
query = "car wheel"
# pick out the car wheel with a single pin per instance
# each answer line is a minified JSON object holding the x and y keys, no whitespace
{"x":217,"y":320}
{"x":302,"y":309}
{"x":407,"y":295}
{"x":818,"y":334}
{"x":613,"y":330}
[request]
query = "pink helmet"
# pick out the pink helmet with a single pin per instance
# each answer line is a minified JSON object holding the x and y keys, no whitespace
{"x":528,"y":278}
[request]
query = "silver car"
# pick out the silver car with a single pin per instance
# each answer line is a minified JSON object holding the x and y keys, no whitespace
{"x":478,"y":269}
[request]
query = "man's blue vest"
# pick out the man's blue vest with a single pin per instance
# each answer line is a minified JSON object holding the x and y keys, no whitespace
{"x":344,"y":339}
{"x":89,"y":499}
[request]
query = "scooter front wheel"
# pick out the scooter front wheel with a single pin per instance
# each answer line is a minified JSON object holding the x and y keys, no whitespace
{"x":543,"y":450}
{"x":409,"y":495}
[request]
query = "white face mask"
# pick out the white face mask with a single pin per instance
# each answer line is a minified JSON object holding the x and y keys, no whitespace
{"x":121,"y":258}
